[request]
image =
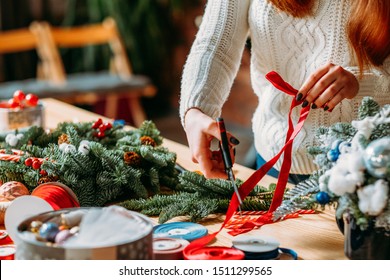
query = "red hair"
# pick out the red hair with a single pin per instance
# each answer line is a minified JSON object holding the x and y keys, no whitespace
{"x":368,"y":27}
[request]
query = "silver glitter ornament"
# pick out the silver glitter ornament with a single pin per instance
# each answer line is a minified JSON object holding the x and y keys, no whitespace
{"x":377,"y":157}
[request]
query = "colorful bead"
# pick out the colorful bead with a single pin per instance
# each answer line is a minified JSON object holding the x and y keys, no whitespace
{"x":62,"y":236}
{"x":35,"y":226}
{"x":48,"y":231}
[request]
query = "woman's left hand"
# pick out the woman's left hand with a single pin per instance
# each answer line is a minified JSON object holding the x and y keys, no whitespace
{"x":327,"y":87}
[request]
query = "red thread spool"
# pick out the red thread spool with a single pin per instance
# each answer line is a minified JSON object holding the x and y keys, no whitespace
{"x":5,"y":239}
{"x":7,"y":252}
{"x":214,"y":253}
{"x":57,"y":195}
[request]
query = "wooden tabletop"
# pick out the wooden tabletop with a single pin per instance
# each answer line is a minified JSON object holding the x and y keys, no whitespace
{"x":311,"y":236}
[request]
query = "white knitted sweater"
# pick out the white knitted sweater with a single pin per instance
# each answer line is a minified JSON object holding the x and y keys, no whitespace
{"x":294,"y":48}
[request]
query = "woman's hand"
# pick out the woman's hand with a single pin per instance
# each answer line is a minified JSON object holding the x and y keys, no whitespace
{"x":327,"y":87}
{"x":201,"y":130}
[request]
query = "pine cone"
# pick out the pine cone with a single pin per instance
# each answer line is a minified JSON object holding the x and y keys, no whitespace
{"x":47,"y":179}
{"x":132,"y":158}
{"x":63,"y":138}
{"x":147,"y":140}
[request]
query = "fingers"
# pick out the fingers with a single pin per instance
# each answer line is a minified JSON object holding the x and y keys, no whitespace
{"x":327,"y":87}
{"x":311,"y":81}
{"x":201,"y":130}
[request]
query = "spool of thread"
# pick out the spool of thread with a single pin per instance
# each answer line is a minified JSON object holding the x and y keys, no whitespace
{"x":214,"y":253}
{"x":262,"y":248}
{"x":7,"y":252}
{"x":185,"y":230}
{"x":57,"y":195}
{"x":169,"y":248}
{"x":4,"y":238}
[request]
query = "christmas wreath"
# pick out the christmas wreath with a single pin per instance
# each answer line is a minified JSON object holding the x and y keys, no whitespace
{"x":107,"y":163}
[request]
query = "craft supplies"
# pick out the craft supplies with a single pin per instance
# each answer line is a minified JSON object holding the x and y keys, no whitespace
{"x":70,"y":234}
{"x":169,"y":248}
{"x":45,"y":197}
{"x":20,"y":117}
{"x":227,"y":161}
{"x":214,"y":253}
{"x":257,"y":247}
{"x":7,"y":252}
{"x":185,"y":230}
{"x":57,"y":195}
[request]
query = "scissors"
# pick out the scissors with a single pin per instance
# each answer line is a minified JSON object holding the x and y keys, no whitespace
{"x":227,"y":160}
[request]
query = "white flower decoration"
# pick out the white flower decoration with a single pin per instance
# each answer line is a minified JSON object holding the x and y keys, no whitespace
{"x":373,"y":198}
{"x":12,"y":139}
{"x":347,"y":174}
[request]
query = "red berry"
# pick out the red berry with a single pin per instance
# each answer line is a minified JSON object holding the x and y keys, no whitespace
{"x":108,"y":125}
{"x":101,"y":134}
{"x":28,"y":161}
{"x":43,"y":172}
{"x":36,"y":164}
{"x":31,"y":100}
{"x":97,"y":123}
{"x":19,"y":95}
{"x":102,"y":127}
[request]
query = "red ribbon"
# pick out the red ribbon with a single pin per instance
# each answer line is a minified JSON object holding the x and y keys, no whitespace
{"x":57,"y":196}
{"x":252,"y":181}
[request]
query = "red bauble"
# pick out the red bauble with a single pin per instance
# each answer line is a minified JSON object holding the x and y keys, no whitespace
{"x":12,"y":103}
{"x":101,"y":134}
{"x":31,"y":100}
{"x":28,"y":161}
{"x":19,"y":96}
{"x":36,"y":164}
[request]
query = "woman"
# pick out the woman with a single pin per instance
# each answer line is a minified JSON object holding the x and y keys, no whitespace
{"x":333,"y":51}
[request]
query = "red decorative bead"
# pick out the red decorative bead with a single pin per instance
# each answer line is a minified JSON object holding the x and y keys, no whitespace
{"x":36,"y":164}
{"x":28,"y":161}
{"x":43,"y":172}
{"x":19,"y":96}
{"x":31,"y":100}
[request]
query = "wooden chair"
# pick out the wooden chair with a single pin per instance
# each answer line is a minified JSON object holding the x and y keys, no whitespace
{"x":116,"y":82}
{"x":19,"y":41}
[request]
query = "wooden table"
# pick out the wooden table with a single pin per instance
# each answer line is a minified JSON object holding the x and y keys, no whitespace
{"x":312,"y":236}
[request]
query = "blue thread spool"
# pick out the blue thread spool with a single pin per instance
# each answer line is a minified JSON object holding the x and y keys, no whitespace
{"x":185,"y":230}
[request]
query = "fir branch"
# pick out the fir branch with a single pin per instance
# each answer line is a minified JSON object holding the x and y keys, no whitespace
{"x":148,"y":128}
{"x":368,"y":108}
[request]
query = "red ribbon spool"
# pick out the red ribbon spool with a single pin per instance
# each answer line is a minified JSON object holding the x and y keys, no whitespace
{"x":7,"y":252}
{"x":57,"y":195}
{"x":214,"y":253}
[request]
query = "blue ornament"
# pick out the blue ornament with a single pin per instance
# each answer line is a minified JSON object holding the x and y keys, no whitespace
{"x":333,"y":154}
{"x":322,"y":198}
{"x":335,"y":144}
{"x":377,"y":157}
{"x":49,"y":231}
{"x":119,"y":122}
